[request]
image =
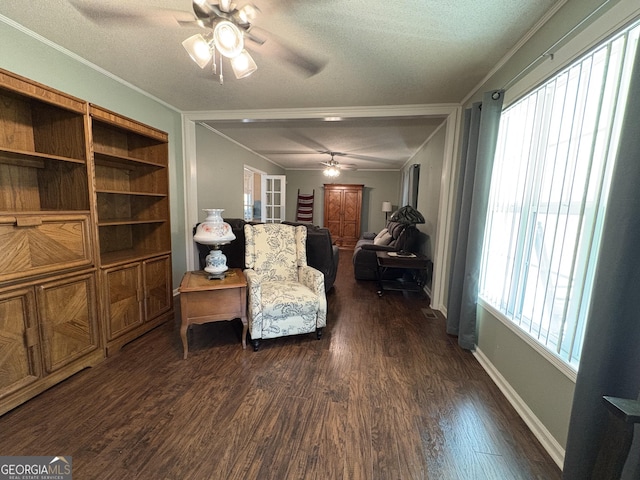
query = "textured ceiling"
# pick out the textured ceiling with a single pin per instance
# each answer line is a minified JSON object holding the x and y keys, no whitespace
{"x":374,"y":53}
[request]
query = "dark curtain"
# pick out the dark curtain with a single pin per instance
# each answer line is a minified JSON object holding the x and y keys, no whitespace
{"x":610,"y":360}
{"x":410,"y":181}
{"x":476,"y":164}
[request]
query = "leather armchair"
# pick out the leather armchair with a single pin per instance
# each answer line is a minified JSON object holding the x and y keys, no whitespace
{"x":285,"y":295}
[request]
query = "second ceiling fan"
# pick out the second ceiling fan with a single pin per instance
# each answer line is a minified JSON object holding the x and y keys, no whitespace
{"x":334,"y":167}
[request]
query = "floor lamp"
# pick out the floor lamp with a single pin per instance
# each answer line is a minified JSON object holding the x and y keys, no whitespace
{"x":386,"y":208}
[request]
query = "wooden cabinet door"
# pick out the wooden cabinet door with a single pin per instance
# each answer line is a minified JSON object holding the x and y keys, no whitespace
{"x":124,"y":299}
{"x":68,"y":319}
{"x":19,"y":341}
{"x":333,"y":213}
{"x":351,"y":204}
{"x":157,"y":286}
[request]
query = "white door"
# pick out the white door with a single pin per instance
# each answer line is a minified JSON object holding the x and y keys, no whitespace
{"x":273,"y":198}
{"x":248,"y":197}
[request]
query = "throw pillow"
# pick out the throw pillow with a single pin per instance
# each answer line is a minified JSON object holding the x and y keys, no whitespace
{"x":380,"y":235}
{"x":385,"y":239}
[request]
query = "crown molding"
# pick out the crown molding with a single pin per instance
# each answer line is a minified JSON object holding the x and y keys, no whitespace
{"x":328,"y":114}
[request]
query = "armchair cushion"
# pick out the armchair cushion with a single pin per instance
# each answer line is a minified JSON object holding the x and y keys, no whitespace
{"x":275,"y":252}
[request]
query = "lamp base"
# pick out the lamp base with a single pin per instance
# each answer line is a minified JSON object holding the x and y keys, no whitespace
{"x":216,"y":276}
{"x":216,"y":263}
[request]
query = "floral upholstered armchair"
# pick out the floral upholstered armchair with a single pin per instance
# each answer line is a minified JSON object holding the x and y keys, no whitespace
{"x":286,"y":296}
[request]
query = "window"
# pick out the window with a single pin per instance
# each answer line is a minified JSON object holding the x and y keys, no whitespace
{"x":555,"y":154}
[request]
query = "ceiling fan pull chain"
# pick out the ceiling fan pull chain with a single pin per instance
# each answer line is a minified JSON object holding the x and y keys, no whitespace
{"x":214,"y":63}
{"x":221,"y":77}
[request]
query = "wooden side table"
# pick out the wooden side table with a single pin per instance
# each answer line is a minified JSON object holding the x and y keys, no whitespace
{"x":203,"y":300}
{"x":416,"y":262}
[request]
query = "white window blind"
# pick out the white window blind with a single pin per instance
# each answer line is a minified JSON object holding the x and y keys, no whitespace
{"x":549,"y":189}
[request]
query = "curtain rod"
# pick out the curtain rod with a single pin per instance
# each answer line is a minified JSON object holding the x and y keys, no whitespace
{"x":549,"y":51}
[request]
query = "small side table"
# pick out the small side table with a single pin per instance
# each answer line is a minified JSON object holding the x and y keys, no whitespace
{"x":420,"y":265}
{"x":203,"y":300}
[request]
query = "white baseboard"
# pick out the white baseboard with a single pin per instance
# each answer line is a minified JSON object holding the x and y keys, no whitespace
{"x":550,"y":444}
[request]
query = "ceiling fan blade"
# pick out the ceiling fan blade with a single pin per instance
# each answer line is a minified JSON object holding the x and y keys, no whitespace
{"x":289,"y":152}
{"x":306,"y":63}
{"x":134,"y":16}
{"x":360,"y":157}
{"x":249,"y":35}
{"x":203,"y":9}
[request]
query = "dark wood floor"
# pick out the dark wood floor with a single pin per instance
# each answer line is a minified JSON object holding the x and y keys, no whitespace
{"x":385,"y":394}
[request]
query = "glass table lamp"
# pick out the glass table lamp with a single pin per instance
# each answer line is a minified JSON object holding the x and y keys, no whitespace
{"x":214,"y":231}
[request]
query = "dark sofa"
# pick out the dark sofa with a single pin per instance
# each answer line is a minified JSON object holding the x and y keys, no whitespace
{"x":400,"y":237}
{"x":321,"y":253}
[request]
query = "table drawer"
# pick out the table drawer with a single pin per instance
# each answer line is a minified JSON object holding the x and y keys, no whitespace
{"x":215,"y":304}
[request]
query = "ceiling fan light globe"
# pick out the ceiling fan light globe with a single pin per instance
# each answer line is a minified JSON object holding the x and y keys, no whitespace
{"x":331,"y":172}
{"x":243,"y":65}
{"x":228,"y":39}
{"x":198,"y":49}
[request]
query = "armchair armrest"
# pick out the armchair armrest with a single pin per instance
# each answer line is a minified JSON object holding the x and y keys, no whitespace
{"x":369,"y":235}
{"x":314,"y":280}
{"x":254,"y":307}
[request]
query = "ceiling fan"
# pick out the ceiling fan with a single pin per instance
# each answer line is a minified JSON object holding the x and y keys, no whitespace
{"x":333,"y":167}
{"x":228,"y":32}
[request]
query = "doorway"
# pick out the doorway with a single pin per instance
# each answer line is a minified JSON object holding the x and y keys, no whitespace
{"x":264,"y":196}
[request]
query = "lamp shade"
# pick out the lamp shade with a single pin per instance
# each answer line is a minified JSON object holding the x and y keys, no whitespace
{"x":386,"y":207}
{"x":198,"y":49}
{"x":407,"y":214}
{"x":243,"y":65}
{"x":214,"y":230}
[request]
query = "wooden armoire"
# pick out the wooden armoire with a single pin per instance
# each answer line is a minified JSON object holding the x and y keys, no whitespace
{"x":342,"y":209}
